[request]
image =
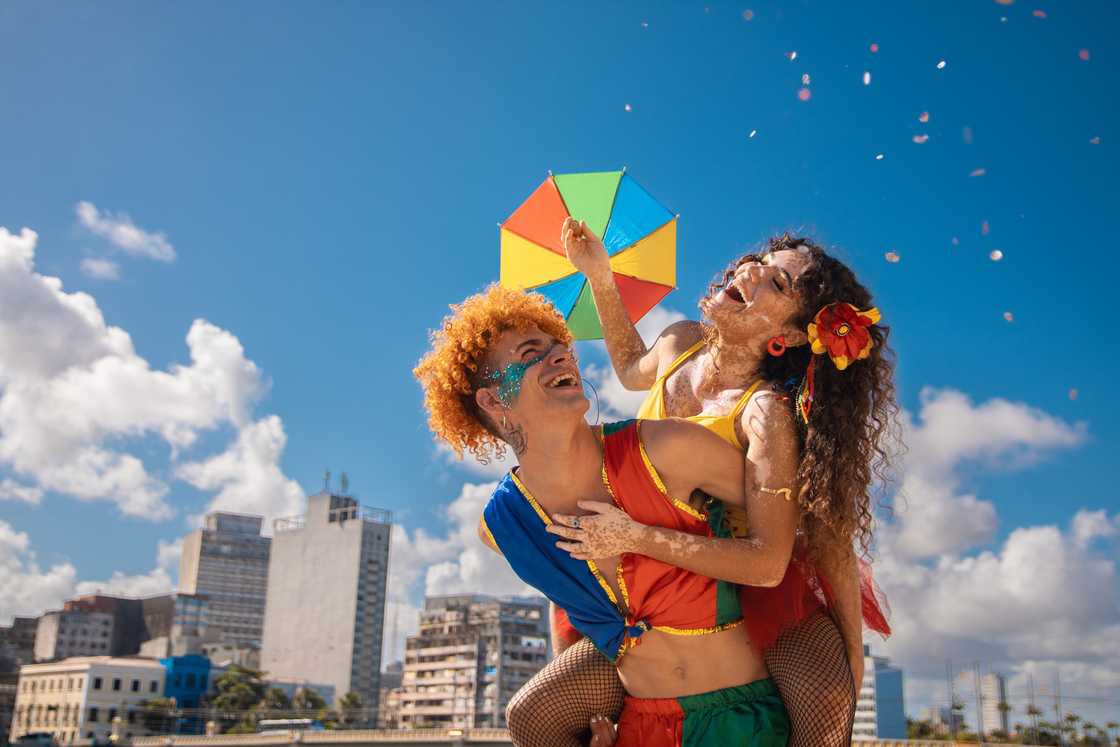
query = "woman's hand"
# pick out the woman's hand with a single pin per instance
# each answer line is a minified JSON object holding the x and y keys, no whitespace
{"x":605,"y":532}
{"x":584,"y":249}
{"x":602,"y":732}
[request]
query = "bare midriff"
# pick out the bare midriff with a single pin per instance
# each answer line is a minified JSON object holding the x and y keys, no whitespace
{"x":666,"y":665}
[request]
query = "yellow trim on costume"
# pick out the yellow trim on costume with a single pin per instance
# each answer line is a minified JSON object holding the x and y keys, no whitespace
{"x":661,"y":485}
{"x":699,"y":631}
{"x":603,"y":582}
{"x":529,"y":497}
{"x":622,"y":584}
{"x":489,"y":534}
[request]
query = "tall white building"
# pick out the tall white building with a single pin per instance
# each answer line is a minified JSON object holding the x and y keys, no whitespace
{"x":326,"y":597}
{"x":79,"y":698}
{"x":226,"y":561}
{"x":993,"y":692}
{"x":880,"y":710}
{"x":473,"y":652}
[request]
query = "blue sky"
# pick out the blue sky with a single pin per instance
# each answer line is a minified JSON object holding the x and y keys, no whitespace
{"x":330,"y":177}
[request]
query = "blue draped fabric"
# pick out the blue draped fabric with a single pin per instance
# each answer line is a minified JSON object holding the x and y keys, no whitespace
{"x":519,"y":532}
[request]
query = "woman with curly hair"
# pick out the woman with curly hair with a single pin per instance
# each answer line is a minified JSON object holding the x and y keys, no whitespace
{"x":501,"y":372}
{"x":809,"y":628}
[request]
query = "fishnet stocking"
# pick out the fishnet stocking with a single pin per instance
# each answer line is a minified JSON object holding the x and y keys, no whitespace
{"x":554,"y":708}
{"x":809,"y":663}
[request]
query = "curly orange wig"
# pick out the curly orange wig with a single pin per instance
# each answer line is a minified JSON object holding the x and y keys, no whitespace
{"x":449,"y":371}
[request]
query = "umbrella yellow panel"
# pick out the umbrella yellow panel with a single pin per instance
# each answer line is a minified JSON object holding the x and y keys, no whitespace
{"x":525,"y":264}
{"x":653,"y":258}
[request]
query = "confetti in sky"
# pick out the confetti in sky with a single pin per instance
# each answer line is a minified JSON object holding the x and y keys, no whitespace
{"x":1008,"y":316}
{"x":996,"y":255}
{"x":874,"y":48}
{"x":978,"y":172}
{"x":645,"y":24}
{"x":1073,"y":393}
{"x":628,"y":108}
{"x":1083,"y":55}
{"x":966,"y":135}
{"x":804,"y":94}
{"x":878,"y":156}
{"x":892,"y":257}
{"x":919,"y":139}
{"x":1039,"y":14}
{"x":941,"y":65}
{"x":1095,"y":140}
{"x":753,"y":133}
{"x":923,"y":117}
{"x":985,"y":228}
{"x":792,"y":55}
{"x":805,"y":79}
{"x":866,"y":78}
{"x":1005,"y":2}
{"x":956,"y":241}
{"x":748,"y":14}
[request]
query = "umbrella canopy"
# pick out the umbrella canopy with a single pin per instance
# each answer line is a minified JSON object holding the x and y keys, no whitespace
{"x":640,"y":235}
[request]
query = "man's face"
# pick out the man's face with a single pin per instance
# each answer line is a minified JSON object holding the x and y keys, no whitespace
{"x":534,"y":377}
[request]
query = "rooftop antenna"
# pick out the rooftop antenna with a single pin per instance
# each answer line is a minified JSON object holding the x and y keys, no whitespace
{"x":345,"y":482}
{"x":327,"y":482}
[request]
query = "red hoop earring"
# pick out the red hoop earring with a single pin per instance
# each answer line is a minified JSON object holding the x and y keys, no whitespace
{"x":776,"y":346}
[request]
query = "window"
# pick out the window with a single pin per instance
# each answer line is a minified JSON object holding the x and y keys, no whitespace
{"x":116,"y":683}
{"x":93,"y":714}
{"x":190,"y":679}
{"x":112,"y":714}
{"x":96,"y":683}
{"x":152,"y":686}
{"x":136,"y":686}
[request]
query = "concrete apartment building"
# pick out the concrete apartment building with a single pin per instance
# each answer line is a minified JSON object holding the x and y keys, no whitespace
{"x":880,"y":709}
{"x":326,"y":596}
{"x":79,"y":698}
{"x":472,"y":653}
{"x":189,"y":629}
{"x":226,"y":561}
{"x":100,"y":625}
{"x":993,"y":692}
{"x":17,"y":643}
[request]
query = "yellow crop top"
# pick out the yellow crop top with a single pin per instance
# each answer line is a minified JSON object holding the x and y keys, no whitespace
{"x":653,"y":408}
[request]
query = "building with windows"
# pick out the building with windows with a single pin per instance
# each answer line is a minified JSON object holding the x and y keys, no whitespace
{"x":79,"y":698}
{"x":17,"y":643}
{"x":325,"y":614}
{"x":472,"y":653}
{"x":880,"y":709}
{"x":993,"y":695}
{"x":226,"y":561}
{"x":100,"y":625}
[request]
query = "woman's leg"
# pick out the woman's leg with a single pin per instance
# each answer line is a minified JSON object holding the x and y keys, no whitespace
{"x":555,"y":707}
{"x":810,"y":666}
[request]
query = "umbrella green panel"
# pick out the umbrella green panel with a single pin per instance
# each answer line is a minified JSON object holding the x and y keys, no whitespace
{"x":584,"y":319}
{"x":590,"y":197}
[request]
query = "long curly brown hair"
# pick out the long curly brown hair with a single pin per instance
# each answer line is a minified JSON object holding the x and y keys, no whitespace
{"x":848,"y":442}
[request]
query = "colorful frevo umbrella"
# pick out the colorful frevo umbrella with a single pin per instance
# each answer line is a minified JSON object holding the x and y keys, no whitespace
{"x":640,"y":235}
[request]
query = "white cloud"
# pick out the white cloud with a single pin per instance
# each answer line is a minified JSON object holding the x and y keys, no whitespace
{"x":10,"y":490}
{"x":74,"y":395}
{"x":248,"y":475}
{"x":100,"y":268}
{"x":493,"y":469}
{"x":25,"y":588}
{"x":1045,"y":600}
{"x":949,"y":433}
{"x":124,"y":234}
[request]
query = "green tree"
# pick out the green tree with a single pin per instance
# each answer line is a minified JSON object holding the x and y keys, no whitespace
{"x":350,"y":710}
{"x":159,"y":715}
{"x":238,"y":691}
{"x":275,"y":703}
{"x":309,"y":702}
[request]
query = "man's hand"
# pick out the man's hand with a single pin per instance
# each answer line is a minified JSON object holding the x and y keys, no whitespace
{"x":604,"y":533}
{"x":584,"y":249}
{"x":602,"y":732}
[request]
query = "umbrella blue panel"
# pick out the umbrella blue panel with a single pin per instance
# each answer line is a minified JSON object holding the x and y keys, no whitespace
{"x":563,"y":292}
{"x":636,"y":214}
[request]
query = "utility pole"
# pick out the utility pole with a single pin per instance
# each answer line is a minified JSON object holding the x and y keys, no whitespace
{"x":952,"y":699}
{"x":979,"y":704}
{"x":1058,"y":707}
{"x":1033,"y":715}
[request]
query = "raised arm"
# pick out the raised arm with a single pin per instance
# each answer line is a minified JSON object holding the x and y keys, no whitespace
{"x":689,"y":457}
{"x":634,"y":363}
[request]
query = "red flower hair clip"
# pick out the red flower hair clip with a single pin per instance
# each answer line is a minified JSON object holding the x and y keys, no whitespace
{"x":840,"y":330}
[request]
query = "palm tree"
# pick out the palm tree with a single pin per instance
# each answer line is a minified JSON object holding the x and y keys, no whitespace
{"x":350,"y":707}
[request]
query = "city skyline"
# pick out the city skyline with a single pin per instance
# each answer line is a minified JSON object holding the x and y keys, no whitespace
{"x":243,"y":244}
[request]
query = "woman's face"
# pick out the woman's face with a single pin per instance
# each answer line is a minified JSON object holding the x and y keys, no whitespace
{"x":760,"y":298}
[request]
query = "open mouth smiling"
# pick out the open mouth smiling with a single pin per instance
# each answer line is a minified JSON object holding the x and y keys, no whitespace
{"x":734,"y":293}
{"x":563,"y":381}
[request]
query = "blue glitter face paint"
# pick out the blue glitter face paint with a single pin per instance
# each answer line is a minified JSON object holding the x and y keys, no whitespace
{"x":510,"y":378}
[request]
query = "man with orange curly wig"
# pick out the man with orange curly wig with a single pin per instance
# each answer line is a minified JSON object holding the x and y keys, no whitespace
{"x":501,"y":373}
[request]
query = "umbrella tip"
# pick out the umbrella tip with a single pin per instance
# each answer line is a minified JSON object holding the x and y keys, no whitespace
{"x":550,"y":172}
{"x":499,"y":224}
{"x":624,"y":169}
